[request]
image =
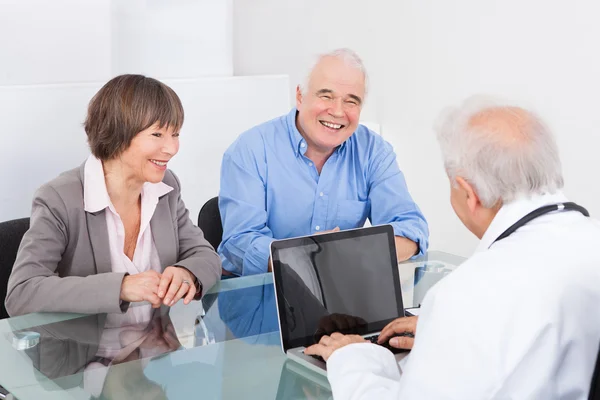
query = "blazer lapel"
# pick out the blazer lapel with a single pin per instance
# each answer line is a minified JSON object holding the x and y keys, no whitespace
{"x":163,"y":233}
{"x":98,"y":234}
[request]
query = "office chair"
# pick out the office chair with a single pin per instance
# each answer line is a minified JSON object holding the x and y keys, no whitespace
{"x":209,"y":220}
{"x":595,"y":386}
{"x":11,"y":233}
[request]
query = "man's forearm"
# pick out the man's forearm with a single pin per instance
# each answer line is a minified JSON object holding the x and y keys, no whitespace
{"x":405,"y":248}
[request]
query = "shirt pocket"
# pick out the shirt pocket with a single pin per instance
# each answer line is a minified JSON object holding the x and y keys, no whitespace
{"x":351,"y":214}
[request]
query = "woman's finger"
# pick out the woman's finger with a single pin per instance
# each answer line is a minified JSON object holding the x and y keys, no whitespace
{"x":190,"y":294}
{"x":173,"y":289}
{"x":151,"y":298}
{"x":183,"y":289}
{"x":165,"y":281}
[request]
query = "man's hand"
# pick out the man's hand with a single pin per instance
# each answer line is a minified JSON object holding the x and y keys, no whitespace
{"x":405,"y":248}
{"x":175,"y":283}
{"x":328,"y":344}
{"x":141,"y":287}
{"x":336,"y":229}
{"x":400,"y":325}
{"x":338,"y":323}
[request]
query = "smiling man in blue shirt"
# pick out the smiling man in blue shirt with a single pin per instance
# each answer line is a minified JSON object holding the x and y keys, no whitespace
{"x":314,"y":170}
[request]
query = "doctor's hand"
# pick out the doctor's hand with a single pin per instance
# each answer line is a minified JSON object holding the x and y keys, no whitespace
{"x":141,"y":287}
{"x":328,"y":344}
{"x":338,"y":323}
{"x":175,"y":283}
{"x":398,"y":326}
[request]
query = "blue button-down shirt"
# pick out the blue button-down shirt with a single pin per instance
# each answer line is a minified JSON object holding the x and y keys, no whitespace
{"x":271,"y":190}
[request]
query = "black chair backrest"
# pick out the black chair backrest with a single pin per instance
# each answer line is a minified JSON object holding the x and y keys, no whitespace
{"x":595,"y":387}
{"x":209,"y":220}
{"x":11,"y":233}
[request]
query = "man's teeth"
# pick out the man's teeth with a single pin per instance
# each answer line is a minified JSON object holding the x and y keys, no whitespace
{"x":159,"y":163}
{"x":330,"y":125}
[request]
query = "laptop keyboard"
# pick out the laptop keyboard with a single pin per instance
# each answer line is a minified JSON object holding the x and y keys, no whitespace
{"x":373,"y":339}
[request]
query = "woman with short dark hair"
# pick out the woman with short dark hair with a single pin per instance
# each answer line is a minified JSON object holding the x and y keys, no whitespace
{"x":115,"y":230}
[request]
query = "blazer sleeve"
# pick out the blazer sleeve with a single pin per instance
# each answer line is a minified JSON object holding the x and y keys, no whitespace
{"x":35,"y":285}
{"x":195,"y":253}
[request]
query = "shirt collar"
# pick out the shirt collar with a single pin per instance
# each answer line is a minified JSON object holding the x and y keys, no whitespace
{"x":95,"y":194}
{"x":298,"y":142}
{"x":512,"y":212}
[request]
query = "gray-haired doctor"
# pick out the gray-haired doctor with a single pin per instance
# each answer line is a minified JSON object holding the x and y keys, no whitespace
{"x":519,"y":319}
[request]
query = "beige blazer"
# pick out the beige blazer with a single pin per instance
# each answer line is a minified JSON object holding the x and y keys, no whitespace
{"x":63,"y":263}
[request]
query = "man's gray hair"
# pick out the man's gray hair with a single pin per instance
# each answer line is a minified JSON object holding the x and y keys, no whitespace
{"x":348,"y":56}
{"x":501,"y":164}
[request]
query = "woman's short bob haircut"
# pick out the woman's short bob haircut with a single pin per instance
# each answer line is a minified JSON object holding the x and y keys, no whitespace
{"x":125,"y":106}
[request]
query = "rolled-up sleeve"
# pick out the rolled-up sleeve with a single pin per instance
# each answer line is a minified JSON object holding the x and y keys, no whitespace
{"x":242,"y":203}
{"x":391,"y":203}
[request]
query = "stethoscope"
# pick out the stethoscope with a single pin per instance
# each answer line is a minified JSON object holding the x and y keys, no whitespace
{"x":569,"y":206}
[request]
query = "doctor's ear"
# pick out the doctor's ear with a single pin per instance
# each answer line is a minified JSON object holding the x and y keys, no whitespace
{"x":472,"y":199}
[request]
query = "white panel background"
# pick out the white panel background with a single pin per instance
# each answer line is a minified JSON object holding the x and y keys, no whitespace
{"x":172,"y":39}
{"x":55,"y":41}
{"x":62,"y":41}
{"x":43,"y":134}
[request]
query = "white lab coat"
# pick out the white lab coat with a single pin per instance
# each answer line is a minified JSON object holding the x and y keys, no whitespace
{"x":519,"y":320}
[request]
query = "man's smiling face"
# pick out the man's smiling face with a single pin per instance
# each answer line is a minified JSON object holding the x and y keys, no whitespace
{"x":329,"y":108}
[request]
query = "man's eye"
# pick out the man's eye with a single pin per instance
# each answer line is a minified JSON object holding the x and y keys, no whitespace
{"x":157,"y":134}
{"x":326,"y":97}
{"x":176,"y":135}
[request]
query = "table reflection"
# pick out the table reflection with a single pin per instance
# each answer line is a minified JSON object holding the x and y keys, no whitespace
{"x":86,"y":350}
{"x":250,"y":314}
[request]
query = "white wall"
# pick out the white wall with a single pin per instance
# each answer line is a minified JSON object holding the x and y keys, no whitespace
{"x":64,"y":41}
{"x":172,"y":39}
{"x":423,"y":55}
{"x":55,"y":55}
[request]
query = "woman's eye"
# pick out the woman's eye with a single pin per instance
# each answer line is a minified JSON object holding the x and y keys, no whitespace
{"x":157,"y":134}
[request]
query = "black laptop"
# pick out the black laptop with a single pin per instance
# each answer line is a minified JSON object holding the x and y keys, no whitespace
{"x":346,"y":281}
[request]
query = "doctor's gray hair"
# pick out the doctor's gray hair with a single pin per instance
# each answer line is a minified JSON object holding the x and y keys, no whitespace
{"x":499,"y":166}
{"x":348,"y":56}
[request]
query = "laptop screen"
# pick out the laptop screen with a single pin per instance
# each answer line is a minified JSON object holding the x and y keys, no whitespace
{"x":345,"y":282}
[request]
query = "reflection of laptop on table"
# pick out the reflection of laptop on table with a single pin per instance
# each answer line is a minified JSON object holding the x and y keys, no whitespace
{"x":344,"y":281}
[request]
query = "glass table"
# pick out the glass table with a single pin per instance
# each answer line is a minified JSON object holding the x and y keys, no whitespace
{"x":226,"y":346}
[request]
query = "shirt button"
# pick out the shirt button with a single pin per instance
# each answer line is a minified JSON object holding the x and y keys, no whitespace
{"x":302,"y":144}
{"x":317,"y":227}
{"x":310,"y":164}
{"x":321,"y":194}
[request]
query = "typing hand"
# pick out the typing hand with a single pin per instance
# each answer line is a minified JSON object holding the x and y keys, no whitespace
{"x":328,"y":344}
{"x":398,"y":326}
{"x":338,"y":323}
{"x":175,"y":283}
{"x":141,"y":287}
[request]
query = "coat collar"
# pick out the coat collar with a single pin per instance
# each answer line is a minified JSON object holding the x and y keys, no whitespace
{"x":512,"y":212}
